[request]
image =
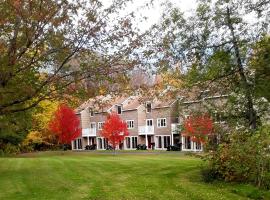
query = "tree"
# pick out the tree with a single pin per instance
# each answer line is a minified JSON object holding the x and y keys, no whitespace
{"x":260,"y":63}
{"x":114,"y":130}
{"x":65,"y":124}
{"x":39,"y":135}
{"x":51,"y":50}
{"x":213,"y":45}
{"x":198,"y":127}
{"x":48,"y":46}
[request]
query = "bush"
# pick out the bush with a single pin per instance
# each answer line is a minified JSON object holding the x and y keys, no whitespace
{"x":244,"y":158}
{"x":141,"y":147}
{"x":8,"y":149}
{"x":209,"y":175}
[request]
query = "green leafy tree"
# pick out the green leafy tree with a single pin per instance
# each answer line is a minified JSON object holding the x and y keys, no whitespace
{"x":260,"y":62}
{"x":213,"y":46}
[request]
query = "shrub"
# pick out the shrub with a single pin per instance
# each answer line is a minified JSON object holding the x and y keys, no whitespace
{"x":209,"y":174}
{"x":244,"y":158}
{"x":8,"y":149}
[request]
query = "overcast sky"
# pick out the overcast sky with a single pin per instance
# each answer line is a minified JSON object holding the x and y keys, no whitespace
{"x":153,"y":13}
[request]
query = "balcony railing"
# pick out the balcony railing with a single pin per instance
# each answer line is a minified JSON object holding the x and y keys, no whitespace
{"x":86,"y":132}
{"x":143,"y":130}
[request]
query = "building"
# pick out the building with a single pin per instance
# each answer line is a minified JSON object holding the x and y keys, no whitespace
{"x":152,"y":122}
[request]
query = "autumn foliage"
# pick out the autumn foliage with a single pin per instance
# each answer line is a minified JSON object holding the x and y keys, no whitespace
{"x":198,"y":127}
{"x":65,"y":124}
{"x":114,"y":129}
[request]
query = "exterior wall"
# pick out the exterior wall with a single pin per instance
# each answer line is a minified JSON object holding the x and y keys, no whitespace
{"x":85,"y":118}
{"x":160,"y":113}
{"x":98,"y":117}
{"x":131,"y":115}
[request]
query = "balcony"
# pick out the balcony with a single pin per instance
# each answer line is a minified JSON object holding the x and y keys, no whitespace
{"x":146,"y":130}
{"x":175,"y":128}
{"x":89,"y":132}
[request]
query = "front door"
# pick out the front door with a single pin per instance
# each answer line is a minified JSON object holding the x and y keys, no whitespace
{"x":149,"y":141}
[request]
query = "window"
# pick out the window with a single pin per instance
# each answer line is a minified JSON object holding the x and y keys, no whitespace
{"x":161,"y":122}
{"x":187,"y":116}
{"x":130,"y":124}
{"x":77,"y":144}
{"x":187,"y":142}
{"x":198,"y":145}
{"x":166,"y":141}
{"x":131,"y":142}
{"x":204,"y":93}
{"x":100,"y":143}
{"x":134,"y":142}
{"x":119,"y":110}
{"x":91,"y":112}
{"x":218,"y":117}
{"x":128,"y":142}
{"x":149,"y":122}
{"x":106,"y":144}
{"x":148,"y":107}
{"x":100,"y":125}
{"x":93,"y":125}
{"x":159,"y":142}
{"x":163,"y":141}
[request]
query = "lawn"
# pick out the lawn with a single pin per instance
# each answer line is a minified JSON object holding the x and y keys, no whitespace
{"x":102,"y":176}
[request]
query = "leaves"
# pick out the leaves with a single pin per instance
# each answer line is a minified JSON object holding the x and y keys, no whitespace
{"x":199,"y":127}
{"x":65,"y":124}
{"x":114,"y":129}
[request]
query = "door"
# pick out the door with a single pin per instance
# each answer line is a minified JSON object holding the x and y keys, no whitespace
{"x":149,"y":137}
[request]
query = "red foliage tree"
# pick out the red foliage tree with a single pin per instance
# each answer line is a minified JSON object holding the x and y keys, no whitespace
{"x":65,"y":124}
{"x":114,"y":129}
{"x":198,"y":127}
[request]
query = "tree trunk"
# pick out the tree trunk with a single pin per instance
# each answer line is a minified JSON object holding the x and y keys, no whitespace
{"x":248,"y":93}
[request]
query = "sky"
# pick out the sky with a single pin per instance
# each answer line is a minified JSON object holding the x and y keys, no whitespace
{"x":153,"y":14}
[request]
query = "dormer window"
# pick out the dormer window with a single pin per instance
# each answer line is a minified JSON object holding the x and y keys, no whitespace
{"x":119,"y":110}
{"x":148,"y":107}
{"x":204,"y":93}
{"x":91,"y":112}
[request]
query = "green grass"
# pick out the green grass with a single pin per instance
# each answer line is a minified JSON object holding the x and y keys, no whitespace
{"x":54,"y":175}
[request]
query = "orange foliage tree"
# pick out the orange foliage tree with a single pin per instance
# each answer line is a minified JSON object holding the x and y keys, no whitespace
{"x":65,"y":124}
{"x":198,"y":127}
{"x":114,"y":129}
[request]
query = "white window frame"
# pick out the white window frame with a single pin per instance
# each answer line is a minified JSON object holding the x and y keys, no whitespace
{"x":162,"y":141}
{"x":129,"y":122}
{"x":159,"y":122}
{"x":149,"y":120}
{"x":100,"y":126}
{"x":131,"y":142}
{"x":104,"y":143}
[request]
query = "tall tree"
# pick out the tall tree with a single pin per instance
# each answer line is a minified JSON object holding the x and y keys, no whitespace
{"x":46,"y":47}
{"x":213,"y":45}
{"x":65,"y":124}
{"x":114,"y":129}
